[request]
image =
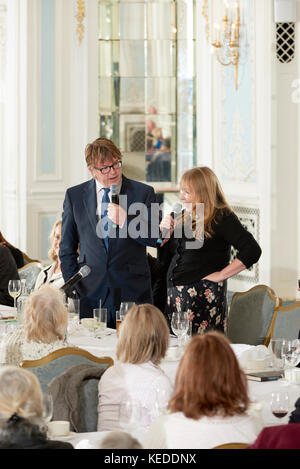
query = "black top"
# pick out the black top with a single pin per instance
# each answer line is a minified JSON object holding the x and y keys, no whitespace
{"x":186,"y":265}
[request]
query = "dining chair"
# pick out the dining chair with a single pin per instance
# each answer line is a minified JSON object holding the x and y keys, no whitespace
{"x":60,"y":360}
{"x":250,"y":315}
{"x":233,"y":446}
{"x":72,"y":376}
{"x":286,"y":322}
{"x":30,"y":272}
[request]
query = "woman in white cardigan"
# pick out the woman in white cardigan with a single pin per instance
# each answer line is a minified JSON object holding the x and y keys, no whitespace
{"x":43,"y":331}
{"x":135,"y":389}
{"x":210,"y":402}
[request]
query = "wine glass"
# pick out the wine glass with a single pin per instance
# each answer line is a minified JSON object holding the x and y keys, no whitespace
{"x":291,"y":353}
{"x":130,"y":415}
{"x":14,"y":289}
{"x":125,"y":306}
{"x":280,"y":404}
{"x":47,"y":407}
{"x":180,"y":324}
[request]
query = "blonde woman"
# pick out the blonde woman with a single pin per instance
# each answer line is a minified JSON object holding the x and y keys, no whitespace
{"x":210,"y":403}
{"x":21,"y":412}
{"x":197,"y":257}
{"x":136,"y":379}
{"x":52,"y":273}
{"x":43,"y":331}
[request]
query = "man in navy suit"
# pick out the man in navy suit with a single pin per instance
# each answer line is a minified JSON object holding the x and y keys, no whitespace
{"x":109,"y":240}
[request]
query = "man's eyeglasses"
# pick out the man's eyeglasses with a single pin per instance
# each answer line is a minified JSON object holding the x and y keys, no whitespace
{"x":105,"y":170}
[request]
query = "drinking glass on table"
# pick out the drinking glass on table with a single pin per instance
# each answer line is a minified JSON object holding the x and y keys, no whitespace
{"x":47,"y":407}
{"x":125,"y":306}
{"x":119,"y":319}
{"x":100,"y":321}
{"x":14,"y":289}
{"x":133,"y":415}
{"x":280,"y":404}
{"x":291,"y":353}
{"x":276,"y":346}
{"x":180,"y":324}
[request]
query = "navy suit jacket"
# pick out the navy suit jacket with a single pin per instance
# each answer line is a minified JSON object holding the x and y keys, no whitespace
{"x":120,"y":274}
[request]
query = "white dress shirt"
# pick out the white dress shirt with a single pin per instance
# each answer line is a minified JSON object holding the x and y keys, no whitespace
{"x":145,"y":387}
{"x":99,"y":194}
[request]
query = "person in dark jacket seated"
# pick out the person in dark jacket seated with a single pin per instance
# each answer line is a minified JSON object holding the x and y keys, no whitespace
{"x":16,"y":253}
{"x":21,"y":412}
{"x":8,"y":271}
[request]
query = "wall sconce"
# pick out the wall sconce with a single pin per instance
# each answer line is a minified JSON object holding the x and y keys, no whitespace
{"x":226,"y":37}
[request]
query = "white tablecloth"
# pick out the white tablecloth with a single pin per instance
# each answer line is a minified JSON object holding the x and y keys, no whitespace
{"x":260,"y":392}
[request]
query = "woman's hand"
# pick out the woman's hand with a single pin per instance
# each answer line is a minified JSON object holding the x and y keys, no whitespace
{"x":230,"y":270}
{"x":214,"y":277}
{"x":167,"y":224}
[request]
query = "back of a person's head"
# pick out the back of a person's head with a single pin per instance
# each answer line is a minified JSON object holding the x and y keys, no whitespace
{"x":209,"y":380}
{"x":143,"y":336}
{"x":20,"y":396}
{"x":120,"y":440}
{"x":45,"y":316}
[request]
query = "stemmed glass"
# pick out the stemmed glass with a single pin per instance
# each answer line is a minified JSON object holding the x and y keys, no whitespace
{"x":180,"y":324}
{"x":125,"y":306}
{"x":47,"y":408}
{"x":130,"y":415}
{"x":14,"y":289}
{"x":280,"y":404}
{"x":291,"y":352}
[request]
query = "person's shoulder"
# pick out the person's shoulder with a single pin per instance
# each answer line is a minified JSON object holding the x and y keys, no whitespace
{"x":6,"y":255}
{"x":80,"y":187}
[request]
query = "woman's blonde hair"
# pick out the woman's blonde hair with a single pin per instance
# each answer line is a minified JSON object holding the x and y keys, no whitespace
{"x":20,"y":393}
{"x":144,"y":335}
{"x":45,"y":316}
{"x":207,"y":188}
{"x":51,"y":253}
{"x":209,"y":380}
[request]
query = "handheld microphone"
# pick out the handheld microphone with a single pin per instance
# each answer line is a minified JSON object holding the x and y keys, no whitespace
{"x":114,"y":188}
{"x":176,"y":211}
{"x":83,"y":272}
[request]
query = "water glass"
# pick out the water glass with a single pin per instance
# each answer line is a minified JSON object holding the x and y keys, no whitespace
{"x":100,"y":321}
{"x":276,"y":346}
{"x":180,"y":324}
{"x":125,"y":306}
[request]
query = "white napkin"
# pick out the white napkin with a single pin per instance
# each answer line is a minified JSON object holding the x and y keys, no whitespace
{"x":252,"y":357}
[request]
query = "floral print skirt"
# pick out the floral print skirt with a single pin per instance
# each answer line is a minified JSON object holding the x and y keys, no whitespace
{"x":205,"y":301}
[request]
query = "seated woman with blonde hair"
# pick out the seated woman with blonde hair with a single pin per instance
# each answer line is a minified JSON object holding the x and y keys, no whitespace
{"x":43,"y":331}
{"x":52,"y":273}
{"x":210,"y":401}
{"x":21,"y":412}
{"x":136,"y":382}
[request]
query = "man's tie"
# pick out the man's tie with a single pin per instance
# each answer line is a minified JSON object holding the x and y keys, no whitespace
{"x":104,"y":217}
